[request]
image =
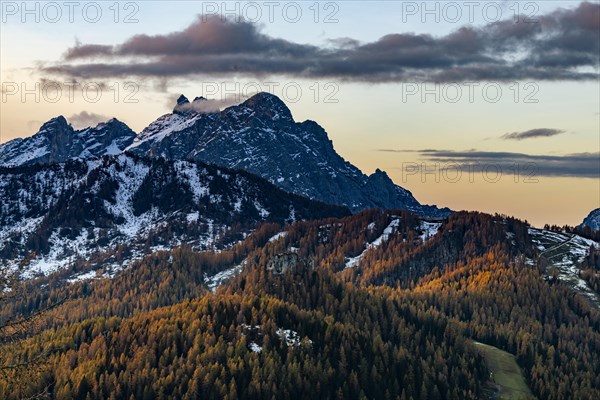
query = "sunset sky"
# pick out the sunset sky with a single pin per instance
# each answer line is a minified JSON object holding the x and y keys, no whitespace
{"x":460,"y":90}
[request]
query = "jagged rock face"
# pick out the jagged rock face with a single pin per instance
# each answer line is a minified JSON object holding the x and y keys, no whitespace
{"x":57,"y":141}
{"x":80,"y":208}
{"x":592,"y":220}
{"x":261,"y":136}
{"x":282,"y":263}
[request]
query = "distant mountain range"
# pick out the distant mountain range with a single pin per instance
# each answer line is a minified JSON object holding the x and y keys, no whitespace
{"x":259,"y":136}
{"x":57,"y":142}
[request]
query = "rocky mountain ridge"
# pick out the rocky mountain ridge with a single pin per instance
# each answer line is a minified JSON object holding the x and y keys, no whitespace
{"x":259,"y":135}
{"x":57,"y":141}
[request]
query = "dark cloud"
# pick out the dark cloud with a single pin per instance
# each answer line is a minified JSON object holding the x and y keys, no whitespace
{"x":580,"y":165}
{"x":344,"y":42}
{"x":562,"y":45}
{"x":87,"y":50}
{"x":532,"y":133}
{"x":85,"y":119}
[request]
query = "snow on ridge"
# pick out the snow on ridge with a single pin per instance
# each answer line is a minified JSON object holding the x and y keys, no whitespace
{"x":25,"y":226}
{"x":354,"y":261}
{"x":213,"y":282}
{"x":191,"y":173}
{"x":566,"y":252}
{"x":278,"y":236}
{"x":130,"y":178}
{"x":86,"y":276}
{"x":22,"y":151}
{"x":163,"y":127}
{"x":112,"y":149}
{"x":429,"y":229}
{"x":546,"y":240}
{"x":386,"y":233}
{"x":60,"y":256}
{"x":28,"y":156}
{"x":53,"y":183}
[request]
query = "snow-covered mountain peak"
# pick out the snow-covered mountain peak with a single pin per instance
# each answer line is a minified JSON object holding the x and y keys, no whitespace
{"x":268,"y":104}
{"x":54,"y":125}
{"x":57,"y":141}
{"x":112,"y":123}
{"x":258,"y":135}
{"x":261,"y":136}
{"x":163,"y":127}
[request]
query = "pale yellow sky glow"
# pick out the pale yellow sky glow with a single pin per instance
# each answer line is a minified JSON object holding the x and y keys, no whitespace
{"x":361,"y":118}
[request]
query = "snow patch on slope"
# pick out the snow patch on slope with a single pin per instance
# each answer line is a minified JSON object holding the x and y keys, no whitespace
{"x":213,"y":282}
{"x":255,"y":347}
{"x":278,"y":236}
{"x":191,"y":173}
{"x":162,"y":128}
{"x":130,"y":179}
{"x":290,"y":337}
{"x":429,"y":229}
{"x":565,"y":252}
{"x":354,"y":261}
{"x":86,"y":276}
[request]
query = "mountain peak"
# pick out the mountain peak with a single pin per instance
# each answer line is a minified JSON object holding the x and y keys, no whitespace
{"x":380,"y":176}
{"x":184,"y":106}
{"x":268,"y":104}
{"x":53,"y":124}
{"x":111,"y":122}
{"x":182,"y":100}
{"x":258,"y":135}
{"x":57,"y":142}
{"x":261,"y":137}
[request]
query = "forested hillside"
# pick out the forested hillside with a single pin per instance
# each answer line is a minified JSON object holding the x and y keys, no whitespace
{"x":374,"y":305}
